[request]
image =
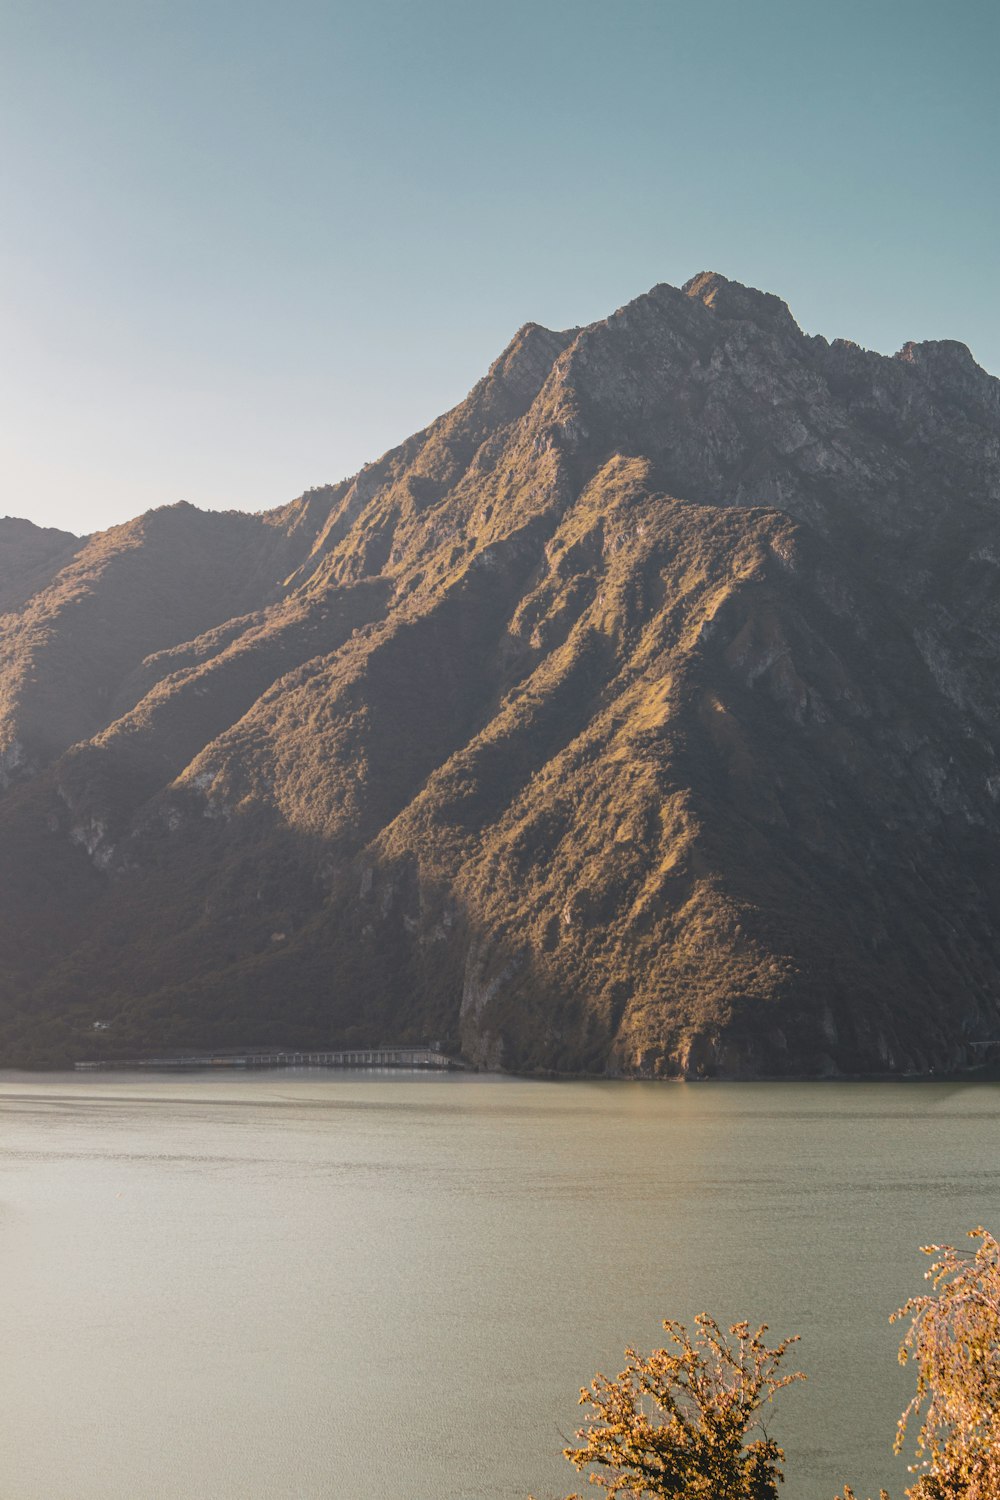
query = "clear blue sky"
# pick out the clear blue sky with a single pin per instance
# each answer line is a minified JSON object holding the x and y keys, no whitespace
{"x":248,"y":246}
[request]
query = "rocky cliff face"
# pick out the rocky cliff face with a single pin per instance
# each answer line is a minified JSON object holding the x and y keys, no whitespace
{"x":640,"y":715}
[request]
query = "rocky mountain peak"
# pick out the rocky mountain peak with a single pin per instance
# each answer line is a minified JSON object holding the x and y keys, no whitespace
{"x":638,"y":715}
{"x":529,"y":356}
{"x":951,"y":369}
{"x":732,"y":300}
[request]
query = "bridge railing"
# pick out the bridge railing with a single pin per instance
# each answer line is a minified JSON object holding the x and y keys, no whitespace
{"x":351,"y":1057}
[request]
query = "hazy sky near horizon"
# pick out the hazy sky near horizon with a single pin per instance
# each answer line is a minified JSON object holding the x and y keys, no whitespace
{"x":248,"y":247}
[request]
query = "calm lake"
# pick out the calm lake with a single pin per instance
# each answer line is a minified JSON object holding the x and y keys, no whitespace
{"x":391,"y":1287}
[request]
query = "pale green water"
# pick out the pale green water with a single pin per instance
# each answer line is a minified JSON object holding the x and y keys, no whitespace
{"x":322,"y":1284}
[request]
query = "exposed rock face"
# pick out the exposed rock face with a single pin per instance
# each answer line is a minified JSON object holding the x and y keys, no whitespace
{"x":640,"y":715}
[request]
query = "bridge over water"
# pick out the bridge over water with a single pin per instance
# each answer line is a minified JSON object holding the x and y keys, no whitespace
{"x":353,"y":1057}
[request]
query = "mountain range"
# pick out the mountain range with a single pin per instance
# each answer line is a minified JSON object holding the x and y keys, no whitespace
{"x":637,"y":717}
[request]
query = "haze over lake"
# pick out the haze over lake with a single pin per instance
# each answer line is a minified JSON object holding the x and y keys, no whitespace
{"x":358,"y":1285}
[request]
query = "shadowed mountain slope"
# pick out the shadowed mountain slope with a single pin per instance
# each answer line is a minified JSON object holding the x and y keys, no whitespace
{"x":639,"y":715}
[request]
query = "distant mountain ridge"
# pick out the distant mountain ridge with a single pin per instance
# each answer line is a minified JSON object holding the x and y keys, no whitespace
{"x":640,"y":716}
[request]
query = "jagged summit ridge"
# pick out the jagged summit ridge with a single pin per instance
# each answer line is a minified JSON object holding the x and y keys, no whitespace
{"x":637,"y":715}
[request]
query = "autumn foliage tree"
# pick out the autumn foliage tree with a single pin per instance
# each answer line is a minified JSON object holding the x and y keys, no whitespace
{"x":954,"y":1341}
{"x":679,"y":1424}
{"x":680,"y":1421}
